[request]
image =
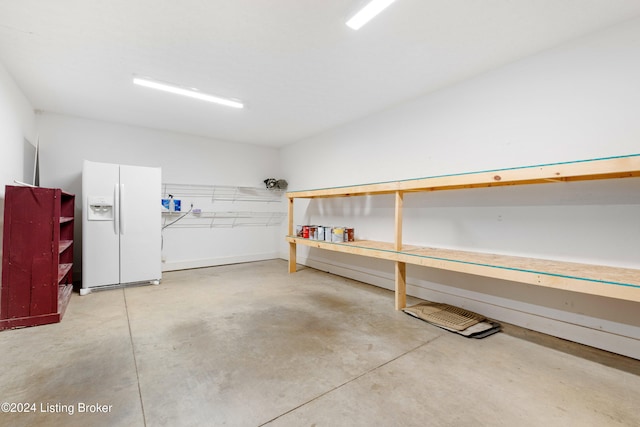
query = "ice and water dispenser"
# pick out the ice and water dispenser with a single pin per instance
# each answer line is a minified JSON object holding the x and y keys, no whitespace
{"x":100,"y":209}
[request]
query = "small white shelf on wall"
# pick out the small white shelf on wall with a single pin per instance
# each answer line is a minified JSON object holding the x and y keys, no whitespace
{"x":224,"y":193}
{"x":224,"y":219}
{"x":223,"y":206}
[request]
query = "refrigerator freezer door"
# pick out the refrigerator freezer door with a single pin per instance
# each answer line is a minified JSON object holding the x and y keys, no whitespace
{"x":100,"y":239}
{"x":140,"y":224}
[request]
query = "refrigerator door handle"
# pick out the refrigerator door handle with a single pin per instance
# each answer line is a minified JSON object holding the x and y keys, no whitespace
{"x":121,"y":209}
{"x":116,"y":208}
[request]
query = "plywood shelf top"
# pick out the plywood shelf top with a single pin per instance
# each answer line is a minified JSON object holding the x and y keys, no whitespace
{"x":582,"y":170}
{"x":612,"y":282}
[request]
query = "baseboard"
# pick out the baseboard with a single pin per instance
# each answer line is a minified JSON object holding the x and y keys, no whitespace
{"x":606,"y":335}
{"x":212,"y":262}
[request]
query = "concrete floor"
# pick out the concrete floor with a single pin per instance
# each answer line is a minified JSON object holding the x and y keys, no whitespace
{"x":251,"y":345}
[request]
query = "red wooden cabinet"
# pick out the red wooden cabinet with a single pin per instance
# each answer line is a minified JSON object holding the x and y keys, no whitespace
{"x":37,"y":256}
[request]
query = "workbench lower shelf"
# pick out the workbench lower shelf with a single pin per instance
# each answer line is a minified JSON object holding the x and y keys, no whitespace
{"x":606,"y":281}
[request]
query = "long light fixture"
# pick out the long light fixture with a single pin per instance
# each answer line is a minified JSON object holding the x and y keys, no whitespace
{"x":153,"y":84}
{"x":368,"y":12}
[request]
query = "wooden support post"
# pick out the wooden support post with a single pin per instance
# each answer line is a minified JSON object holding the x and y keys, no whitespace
{"x":401,"y":267}
{"x":292,"y":257}
{"x":401,"y":285}
{"x":399,"y":203}
{"x":292,"y":245}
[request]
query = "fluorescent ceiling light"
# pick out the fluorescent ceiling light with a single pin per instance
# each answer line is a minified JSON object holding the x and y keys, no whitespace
{"x":186,"y":92}
{"x":368,"y":12}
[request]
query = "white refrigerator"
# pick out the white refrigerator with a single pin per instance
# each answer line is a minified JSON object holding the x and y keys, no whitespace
{"x":121,"y":225}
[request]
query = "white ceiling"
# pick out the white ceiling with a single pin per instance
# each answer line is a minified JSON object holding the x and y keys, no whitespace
{"x":297,"y":66}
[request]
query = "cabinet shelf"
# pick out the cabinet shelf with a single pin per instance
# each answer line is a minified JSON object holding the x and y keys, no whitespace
{"x":606,"y":281}
{"x":64,"y":295}
{"x":63,"y":269}
{"x":64,"y":245}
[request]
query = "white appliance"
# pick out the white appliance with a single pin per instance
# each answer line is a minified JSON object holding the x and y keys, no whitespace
{"x":121,"y":225}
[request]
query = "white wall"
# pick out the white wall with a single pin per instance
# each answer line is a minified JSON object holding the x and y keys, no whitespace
{"x":577,"y":101}
{"x":17,"y":124}
{"x":66,"y":141}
